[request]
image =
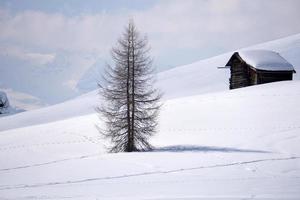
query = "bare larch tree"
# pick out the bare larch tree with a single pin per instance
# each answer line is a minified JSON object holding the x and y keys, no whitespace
{"x":130,"y":102}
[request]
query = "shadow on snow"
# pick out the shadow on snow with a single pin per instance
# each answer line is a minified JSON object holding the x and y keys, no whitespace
{"x":196,"y":148}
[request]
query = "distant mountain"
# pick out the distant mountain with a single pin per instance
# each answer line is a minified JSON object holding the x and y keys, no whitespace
{"x":90,"y":79}
{"x":51,"y":82}
{"x":22,"y":100}
{"x":5,"y":107}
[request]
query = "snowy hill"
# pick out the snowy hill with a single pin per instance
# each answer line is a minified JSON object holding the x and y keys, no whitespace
{"x":236,"y":144}
{"x":204,"y":77}
{"x":79,"y":106}
{"x":68,"y":77}
{"x":197,"y":78}
{"x":211,"y":143}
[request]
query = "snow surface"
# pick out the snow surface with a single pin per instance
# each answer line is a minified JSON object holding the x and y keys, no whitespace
{"x":212,"y":143}
{"x":82,"y":105}
{"x":236,"y":144}
{"x":266,"y":60}
{"x":204,"y":77}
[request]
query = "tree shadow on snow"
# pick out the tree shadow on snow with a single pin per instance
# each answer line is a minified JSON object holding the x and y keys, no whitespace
{"x":195,"y":148}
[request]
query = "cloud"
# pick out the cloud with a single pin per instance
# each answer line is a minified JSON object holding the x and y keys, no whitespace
{"x":37,"y":59}
{"x":172,"y":24}
{"x":57,"y":31}
{"x":232,"y":23}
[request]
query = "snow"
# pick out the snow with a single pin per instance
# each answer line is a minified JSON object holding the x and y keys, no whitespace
{"x":204,"y":76}
{"x":208,"y":146}
{"x":211,"y":143}
{"x":266,"y":60}
{"x":83,"y":105}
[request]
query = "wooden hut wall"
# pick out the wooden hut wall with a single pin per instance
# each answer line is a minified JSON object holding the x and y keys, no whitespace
{"x":239,"y":74}
{"x":253,"y":76}
{"x":268,"y":77}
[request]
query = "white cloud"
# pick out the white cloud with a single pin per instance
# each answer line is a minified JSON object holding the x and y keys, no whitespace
{"x":57,"y":31}
{"x":231,"y":23}
{"x":169,"y":24}
{"x":38,"y":59}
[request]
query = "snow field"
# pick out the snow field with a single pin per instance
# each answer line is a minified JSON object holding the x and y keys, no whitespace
{"x":211,"y":143}
{"x":208,"y":146}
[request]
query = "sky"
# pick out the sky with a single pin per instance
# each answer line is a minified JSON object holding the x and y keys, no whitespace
{"x":55,"y":44}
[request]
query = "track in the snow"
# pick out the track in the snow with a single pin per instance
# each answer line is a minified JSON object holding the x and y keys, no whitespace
{"x":24,"y":186}
{"x":48,"y":163}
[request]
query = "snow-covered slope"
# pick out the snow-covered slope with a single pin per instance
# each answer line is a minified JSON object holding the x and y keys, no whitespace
{"x":82,"y":105}
{"x":235,"y":144}
{"x":197,"y":78}
{"x":203,"y":76}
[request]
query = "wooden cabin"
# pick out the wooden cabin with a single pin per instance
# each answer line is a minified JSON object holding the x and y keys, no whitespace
{"x":257,"y":67}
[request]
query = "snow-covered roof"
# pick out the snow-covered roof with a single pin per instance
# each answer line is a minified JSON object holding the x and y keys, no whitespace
{"x":265,"y":60}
